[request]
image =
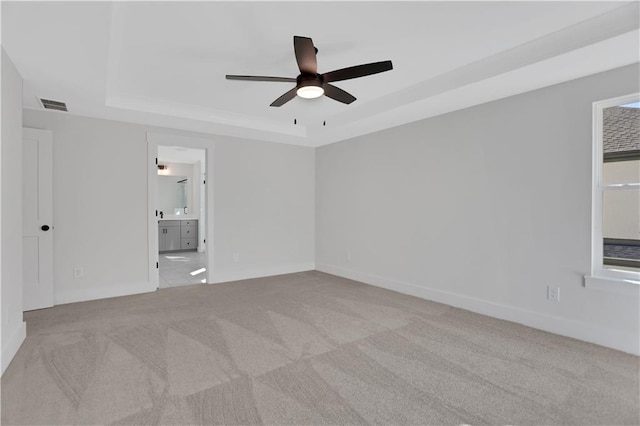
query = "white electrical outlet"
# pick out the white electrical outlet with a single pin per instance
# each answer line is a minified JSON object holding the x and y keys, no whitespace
{"x":553,"y":293}
{"x":78,"y":272}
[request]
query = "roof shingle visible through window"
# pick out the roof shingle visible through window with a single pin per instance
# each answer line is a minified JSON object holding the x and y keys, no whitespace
{"x":621,"y":129}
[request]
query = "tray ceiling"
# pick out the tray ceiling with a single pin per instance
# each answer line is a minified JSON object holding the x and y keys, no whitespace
{"x":163,"y":63}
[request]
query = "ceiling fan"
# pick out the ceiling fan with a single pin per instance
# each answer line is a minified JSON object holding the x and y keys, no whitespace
{"x":310,"y":84}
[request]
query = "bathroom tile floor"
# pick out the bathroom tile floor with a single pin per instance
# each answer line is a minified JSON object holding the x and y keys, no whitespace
{"x":182,"y":268}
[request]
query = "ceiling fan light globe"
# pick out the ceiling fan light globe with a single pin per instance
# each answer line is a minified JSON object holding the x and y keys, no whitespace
{"x":310,"y":92}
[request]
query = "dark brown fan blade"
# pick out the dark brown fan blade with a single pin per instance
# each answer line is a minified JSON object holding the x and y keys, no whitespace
{"x":284,"y":98}
{"x":305,"y":55}
{"x":260,"y":78}
{"x":338,"y":94}
{"x":357,"y":71}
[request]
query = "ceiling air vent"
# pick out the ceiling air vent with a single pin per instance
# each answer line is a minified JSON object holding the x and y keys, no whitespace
{"x":49,"y":104}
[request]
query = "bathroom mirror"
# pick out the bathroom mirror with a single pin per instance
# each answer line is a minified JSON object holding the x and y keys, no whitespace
{"x":174,"y":195}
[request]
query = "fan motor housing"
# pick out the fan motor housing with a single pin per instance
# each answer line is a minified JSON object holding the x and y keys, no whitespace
{"x":304,"y":80}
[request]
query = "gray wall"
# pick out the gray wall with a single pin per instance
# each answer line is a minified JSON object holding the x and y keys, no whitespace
{"x":13,"y":328}
{"x":265,"y":209}
{"x":480,"y":208}
{"x":97,"y":165}
{"x":263,"y":206}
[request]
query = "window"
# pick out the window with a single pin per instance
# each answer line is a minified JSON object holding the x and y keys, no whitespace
{"x":616,"y":188}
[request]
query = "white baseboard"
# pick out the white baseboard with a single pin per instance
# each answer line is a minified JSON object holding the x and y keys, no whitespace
{"x":94,"y":293}
{"x":611,"y":338}
{"x":246,"y":274}
{"x":11,"y":345}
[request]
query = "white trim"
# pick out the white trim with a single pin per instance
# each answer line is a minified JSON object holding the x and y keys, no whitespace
{"x":612,"y":338}
{"x":152,"y":221}
{"x":167,"y":139}
{"x":621,"y":186}
{"x":267,"y":271}
{"x":95,"y":293}
{"x":614,"y":285}
{"x":597,"y":254}
{"x":11,"y":345}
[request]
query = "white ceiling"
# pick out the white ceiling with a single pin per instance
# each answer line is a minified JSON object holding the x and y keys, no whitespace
{"x":163,"y":63}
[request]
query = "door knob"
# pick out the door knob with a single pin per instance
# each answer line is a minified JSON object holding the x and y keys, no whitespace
{"x":45,"y":227}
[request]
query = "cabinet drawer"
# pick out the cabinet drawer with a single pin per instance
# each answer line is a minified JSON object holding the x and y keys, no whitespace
{"x":189,"y":231}
{"x":189,"y":222}
{"x":189,"y":243}
{"x":166,"y":223}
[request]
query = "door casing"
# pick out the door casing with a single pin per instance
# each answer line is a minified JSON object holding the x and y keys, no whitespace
{"x":163,"y":139}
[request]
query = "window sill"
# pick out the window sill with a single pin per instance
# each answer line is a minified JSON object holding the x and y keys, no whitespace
{"x":614,"y":285}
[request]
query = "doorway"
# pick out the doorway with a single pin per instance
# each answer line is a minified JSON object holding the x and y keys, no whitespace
{"x":180,"y":210}
{"x":181,"y":179}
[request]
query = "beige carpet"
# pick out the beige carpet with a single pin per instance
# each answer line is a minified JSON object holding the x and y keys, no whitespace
{"x":305,"y":348}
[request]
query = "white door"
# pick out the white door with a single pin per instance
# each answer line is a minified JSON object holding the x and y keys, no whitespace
{"x":37,"y":205}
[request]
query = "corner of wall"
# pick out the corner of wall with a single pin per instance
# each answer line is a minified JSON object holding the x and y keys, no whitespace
{"x":13,"y":328}
{"x":11,"y":345}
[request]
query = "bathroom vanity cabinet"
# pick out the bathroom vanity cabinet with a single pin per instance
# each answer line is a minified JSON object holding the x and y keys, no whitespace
{"x":177,"y":235}
{"x":188,"y":234}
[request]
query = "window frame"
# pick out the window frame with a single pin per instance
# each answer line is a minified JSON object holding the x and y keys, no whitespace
{"x":597,"y":238}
